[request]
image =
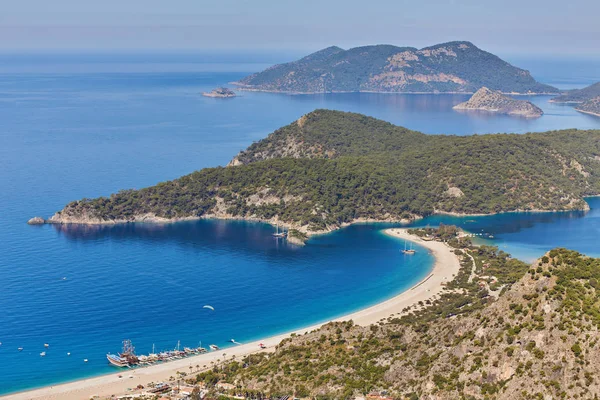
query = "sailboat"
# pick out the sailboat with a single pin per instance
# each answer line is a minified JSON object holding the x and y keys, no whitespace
{"x":281,"y":234}
{"x":408,"y":251}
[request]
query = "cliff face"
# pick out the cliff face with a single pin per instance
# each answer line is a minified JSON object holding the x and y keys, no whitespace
{"x":491,"y":101}
{"x":448,"y":67}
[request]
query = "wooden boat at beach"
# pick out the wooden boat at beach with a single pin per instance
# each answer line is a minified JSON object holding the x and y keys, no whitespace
{"x":126,"y":358}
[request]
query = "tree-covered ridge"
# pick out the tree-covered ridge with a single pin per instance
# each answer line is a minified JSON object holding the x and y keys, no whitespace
{"x":511,"y":332}
{"x":447,"y":67}
{"x":331,"y":168}
{"x":579,"y":95}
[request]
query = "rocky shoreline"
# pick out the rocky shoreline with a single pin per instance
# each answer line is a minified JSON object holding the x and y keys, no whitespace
{"x":248,"y":88}
{"x":58,"y":219}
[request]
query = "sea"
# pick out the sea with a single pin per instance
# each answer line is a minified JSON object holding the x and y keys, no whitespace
{"x":86,"y":125}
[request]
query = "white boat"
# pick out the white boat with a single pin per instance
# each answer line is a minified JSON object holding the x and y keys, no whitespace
{"x":214,"y":347}
{"x":46,"y":345}
{"x":278,"y":234}
{"x":85,"y":360}
{"x":43,"y":354}
{"x":20,"y":349}
{"x":408,"y":251}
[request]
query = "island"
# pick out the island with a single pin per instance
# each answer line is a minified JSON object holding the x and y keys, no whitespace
{"x":579,"y":95}
{"x":221,"y":92}
{"x":454,"y":67}
{"x":492,"y":101}
{"x":591,"y":106}
{"x":332,"y":168}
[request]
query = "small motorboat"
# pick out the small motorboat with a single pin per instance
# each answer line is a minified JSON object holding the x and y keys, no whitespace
{"x":214,"y":347}
{"x":20,"y":349}
{"x":68,"y":354}
{"x":46,"y":345}
{"x":43,"y":354}
{"x":85,"y":360}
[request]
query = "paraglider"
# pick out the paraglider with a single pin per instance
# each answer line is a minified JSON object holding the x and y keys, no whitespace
{"x":209,"y":307}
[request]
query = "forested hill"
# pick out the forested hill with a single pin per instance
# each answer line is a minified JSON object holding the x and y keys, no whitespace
{"x":579,"y":95}
{"x":447,"y":67}
{"x":330,"y":168}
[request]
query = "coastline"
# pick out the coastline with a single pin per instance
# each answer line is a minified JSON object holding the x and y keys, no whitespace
{"x":247,"y":88}
{"x":588,"y":112}
{"x":446,"y":265}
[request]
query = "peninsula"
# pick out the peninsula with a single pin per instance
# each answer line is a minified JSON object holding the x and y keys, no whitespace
{"x":454,"y":67}
{"x":591,"y":106}
{"x":331,"y":168}
{"x":495,"y":102}
{"x":221,"y":92}
{"x":579,"y":95}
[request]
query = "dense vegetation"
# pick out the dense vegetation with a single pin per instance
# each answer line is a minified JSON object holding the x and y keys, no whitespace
{"x":330,"y":168}
{"x":501,"y":330}
{"x":447,"y":67}
{"x":579,"y":95}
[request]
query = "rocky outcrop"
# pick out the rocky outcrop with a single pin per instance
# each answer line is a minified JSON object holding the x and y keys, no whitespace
{"x":221,"y":92}
{"x":491,"y":101}
{"x":36,"y":221}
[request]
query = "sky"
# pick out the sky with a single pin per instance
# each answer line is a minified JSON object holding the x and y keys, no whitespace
{"x":550,"y":27}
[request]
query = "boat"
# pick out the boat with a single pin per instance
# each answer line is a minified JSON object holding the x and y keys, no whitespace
{"x":214,"y":347}
{"x":408,"y":251}
{"x":85,"y":360}
{"x":43,"y":354}
{"x":126,"y":358}
{"x":117,"y":361}
{"x":20,"y":349}
{"x":281,"y":234}
{"x":68,"y":354}
{"x":46,"y":345}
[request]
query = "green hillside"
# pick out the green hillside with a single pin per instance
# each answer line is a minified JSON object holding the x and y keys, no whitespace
{"x":331,"y":167}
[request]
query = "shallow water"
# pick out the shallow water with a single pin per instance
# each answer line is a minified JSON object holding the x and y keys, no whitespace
{"x":74,"y":128}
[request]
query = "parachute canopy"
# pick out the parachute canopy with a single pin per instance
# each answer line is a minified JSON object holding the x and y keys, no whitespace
{"x":209,"y":307}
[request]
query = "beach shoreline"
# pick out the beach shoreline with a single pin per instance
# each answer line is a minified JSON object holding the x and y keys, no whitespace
{"x":446,"y":265}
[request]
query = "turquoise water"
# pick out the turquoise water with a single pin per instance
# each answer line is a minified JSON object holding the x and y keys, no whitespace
{"x":73,"y":127}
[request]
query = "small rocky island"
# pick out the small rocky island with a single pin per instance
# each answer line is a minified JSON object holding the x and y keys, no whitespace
{"x":221,"y":92}
{"x":491,"y":101}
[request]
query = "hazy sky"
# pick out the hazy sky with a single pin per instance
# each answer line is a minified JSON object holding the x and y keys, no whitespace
{"x":508,"y":26}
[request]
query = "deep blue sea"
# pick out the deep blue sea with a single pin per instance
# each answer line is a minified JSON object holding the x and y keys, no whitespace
{"x":74,"y":126}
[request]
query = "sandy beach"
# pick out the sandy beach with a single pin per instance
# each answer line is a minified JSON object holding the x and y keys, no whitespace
{"x":445,"y":267}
